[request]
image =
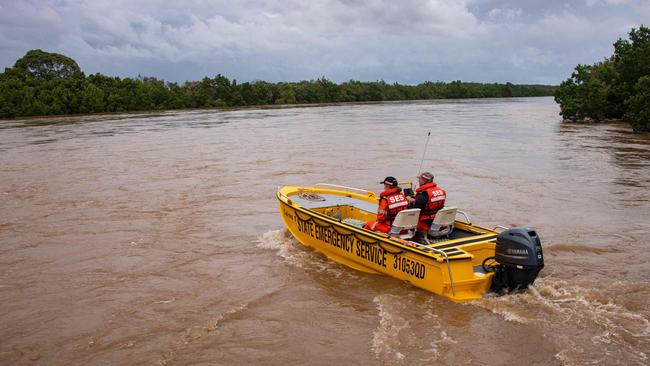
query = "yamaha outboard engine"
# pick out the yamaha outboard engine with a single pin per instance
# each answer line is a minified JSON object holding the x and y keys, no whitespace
{"x":519,"y":253}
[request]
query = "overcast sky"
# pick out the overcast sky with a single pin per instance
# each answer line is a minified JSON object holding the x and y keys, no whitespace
{"x":405,"y":41}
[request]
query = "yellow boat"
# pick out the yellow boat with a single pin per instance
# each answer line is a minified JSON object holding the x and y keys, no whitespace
{"x":463,"y":264}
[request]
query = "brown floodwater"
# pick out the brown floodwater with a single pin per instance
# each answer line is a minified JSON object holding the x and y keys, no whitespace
{"x":140,"y":239}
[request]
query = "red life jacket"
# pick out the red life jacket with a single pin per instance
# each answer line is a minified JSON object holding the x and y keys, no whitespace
{"x":435,"y":200}
{"x":391,"y":202}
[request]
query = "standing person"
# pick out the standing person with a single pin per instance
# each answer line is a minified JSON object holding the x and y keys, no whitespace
{"x":429,"y":198}
{"x":391,"y":201}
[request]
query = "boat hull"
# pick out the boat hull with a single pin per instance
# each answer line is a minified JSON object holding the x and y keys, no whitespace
{"x":454,"y":277}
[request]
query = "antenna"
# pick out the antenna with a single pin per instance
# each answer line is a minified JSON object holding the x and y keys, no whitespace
{"x":424,"y":152}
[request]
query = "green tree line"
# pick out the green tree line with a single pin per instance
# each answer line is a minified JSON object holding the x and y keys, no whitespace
{"x":43,"y":83}
{"x":616,"y":88}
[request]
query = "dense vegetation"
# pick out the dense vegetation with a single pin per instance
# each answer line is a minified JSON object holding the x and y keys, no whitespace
{"x":616,"y":88}
{"x":43,"y":83}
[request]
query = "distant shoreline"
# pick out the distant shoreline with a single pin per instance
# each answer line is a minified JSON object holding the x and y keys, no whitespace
{"x":46,"y":84}
{"x":249,"y":107}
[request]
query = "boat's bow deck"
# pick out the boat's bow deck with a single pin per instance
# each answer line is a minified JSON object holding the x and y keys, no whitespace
{"x":330,"y":200}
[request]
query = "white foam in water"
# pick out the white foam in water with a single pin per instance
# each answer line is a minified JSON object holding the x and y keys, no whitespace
{"x":397,"y":342}
{"x":196,"y":332}
{"x":501,"y":306}
{"x":298,"y":255}
{"x":284,"y":244}
{"x":592,"y":318}
{"x":385,"y":339}
{"x":166,"y":301}
{"x":212,"y":324}
{"x":274,"y":239}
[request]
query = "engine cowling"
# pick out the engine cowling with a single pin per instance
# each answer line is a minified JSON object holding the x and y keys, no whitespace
{"x":520,"y":257}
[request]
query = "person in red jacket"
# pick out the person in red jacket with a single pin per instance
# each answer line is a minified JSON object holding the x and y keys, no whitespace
{"x":391,"y":201}
{"x":429,"y":198}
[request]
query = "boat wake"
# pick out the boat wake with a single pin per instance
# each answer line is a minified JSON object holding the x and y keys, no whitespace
{"x":585,"y":323}
{"x":403,"y":334}
{"x":201,"y":331}
{"x":297,"y":255}
{"x":280,"y":240}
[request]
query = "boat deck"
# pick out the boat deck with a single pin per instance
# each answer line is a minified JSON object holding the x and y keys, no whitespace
{"x":322,"y":200}
{"x":332,"y":200}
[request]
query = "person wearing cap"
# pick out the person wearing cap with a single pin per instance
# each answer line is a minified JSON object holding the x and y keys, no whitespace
{"x":391,"y":201}
{"x":429,"y":198}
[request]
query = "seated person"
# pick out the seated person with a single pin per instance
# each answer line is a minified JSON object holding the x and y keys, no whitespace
{"x":429,"y":198}
{"x":391,"y":201}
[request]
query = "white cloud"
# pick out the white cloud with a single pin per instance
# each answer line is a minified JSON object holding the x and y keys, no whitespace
{"x":405,"y":41}
{"x":609,"y":2}
{"x":505,"y":15}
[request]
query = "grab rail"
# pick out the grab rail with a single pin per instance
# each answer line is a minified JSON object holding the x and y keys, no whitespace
{"x":285,"y":196}
{"x":500,"y":227}
{"x":451,"y":278}
{"x":469,"y":222}
{"x":371,"y":194}
{"x":406,"y":182}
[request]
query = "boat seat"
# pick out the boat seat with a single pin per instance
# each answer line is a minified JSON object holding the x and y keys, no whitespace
{"x":443,"y":223}
{"x":406,"y":220}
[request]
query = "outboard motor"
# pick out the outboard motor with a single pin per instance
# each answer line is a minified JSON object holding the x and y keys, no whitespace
{"x":519,"y":253}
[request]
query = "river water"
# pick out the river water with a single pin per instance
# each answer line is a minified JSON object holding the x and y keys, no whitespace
{"x":140,"y":239}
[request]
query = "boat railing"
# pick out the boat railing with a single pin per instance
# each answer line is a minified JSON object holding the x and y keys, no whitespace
{"x":467,"y":220}
{"x":284,"y":195}
{"x":500,"y":227}
{"x":370,"y":194}
{"x":451,"y":278}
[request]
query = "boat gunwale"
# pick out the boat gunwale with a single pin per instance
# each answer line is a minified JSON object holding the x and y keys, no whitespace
{"x":488,"y":236}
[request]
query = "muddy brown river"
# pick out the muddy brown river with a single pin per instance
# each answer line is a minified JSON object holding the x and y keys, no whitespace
{"x":155,"y":239}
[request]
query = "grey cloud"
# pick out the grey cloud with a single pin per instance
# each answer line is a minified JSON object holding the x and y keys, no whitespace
{"x":408,"y":41}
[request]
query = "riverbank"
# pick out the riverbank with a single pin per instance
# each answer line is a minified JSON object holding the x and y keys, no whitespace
{"x":44,"y":84}
{"x":154,"y":112}
{"x":616,"y":88}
